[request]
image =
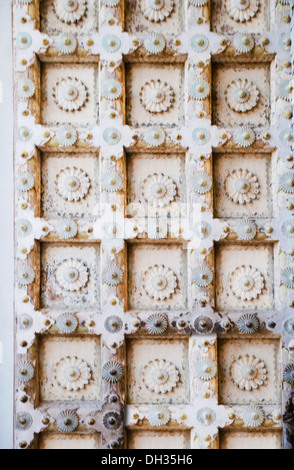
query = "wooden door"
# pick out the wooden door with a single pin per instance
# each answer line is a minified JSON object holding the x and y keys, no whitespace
{"x":154,"y":224}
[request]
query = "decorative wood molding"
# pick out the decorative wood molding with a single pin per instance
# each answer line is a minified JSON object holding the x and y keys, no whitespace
{"x":197,"y":48}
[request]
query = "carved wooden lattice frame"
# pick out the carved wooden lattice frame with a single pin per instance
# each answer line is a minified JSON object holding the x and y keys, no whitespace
{"x":33,"y":138}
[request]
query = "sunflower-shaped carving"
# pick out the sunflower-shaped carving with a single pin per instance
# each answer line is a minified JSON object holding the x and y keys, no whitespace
{"x":157,"y":96}
{"x":70,"y":11}
{"x":72,"y":275}
{"x":160,"y":376}
{"x":72,"y":373}
{"x":159,"y":190}
{"x":157,"y":10}
{"x":158,"y":415}
{"x":242,"y":186}
{"x":242,"y":10}
{"x":67,"y":421}
{"x":242,"y":95}
{"x":244,"y":136}
{"x":72,"y":184}
{"x":248,"y":373}
{"x":70,"y":94}
{"x":253,"y":416}
{"x":159,"y":282}
{"x":247,"y":283}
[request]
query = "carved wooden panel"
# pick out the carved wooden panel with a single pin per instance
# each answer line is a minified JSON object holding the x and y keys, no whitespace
{"x":154,"y":224}
{"x":253,"y":440}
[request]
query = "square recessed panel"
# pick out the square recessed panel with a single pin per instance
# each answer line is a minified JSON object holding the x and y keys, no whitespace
{"x":244,"y":277}
{"x":159,"y":440}
{"x":227,"y":18}
{"x":238,"y":440}
{"x":57,"y":17}
{"x":157,"y":276}
{"x":69,"y":275}
{"x":69,"y":94}
{"x":66,"y":364}
{"x":229,"y":81}
{"x":60,"y":196}
{"x":155,"y":94}
{"x":262,"y":357}
{"x":167,"y":19}
{"x":148,"y":358}
{"x":156,"y":182}
{"x":69,"y":442}
{"x":242,"y":185}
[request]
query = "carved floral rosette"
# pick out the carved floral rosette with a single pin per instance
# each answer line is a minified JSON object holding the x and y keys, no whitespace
{"x":247,"y":283}
{"x":72,"y":373}
{"x":72,"y":184}
{"x":242,"y":95}
{"x":157,"y":96}
{"x":159,"y":190}
{"x":242,"y":186}
{"x":160,"y":282}
{"x":70,"y":94}
{"x":160,"y":376}
{"x":70,"y":11}
{"x":157,"y":10}
{"x":72,"y":275}
{"x":242,"y":10}
{"x":248,"y":373}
